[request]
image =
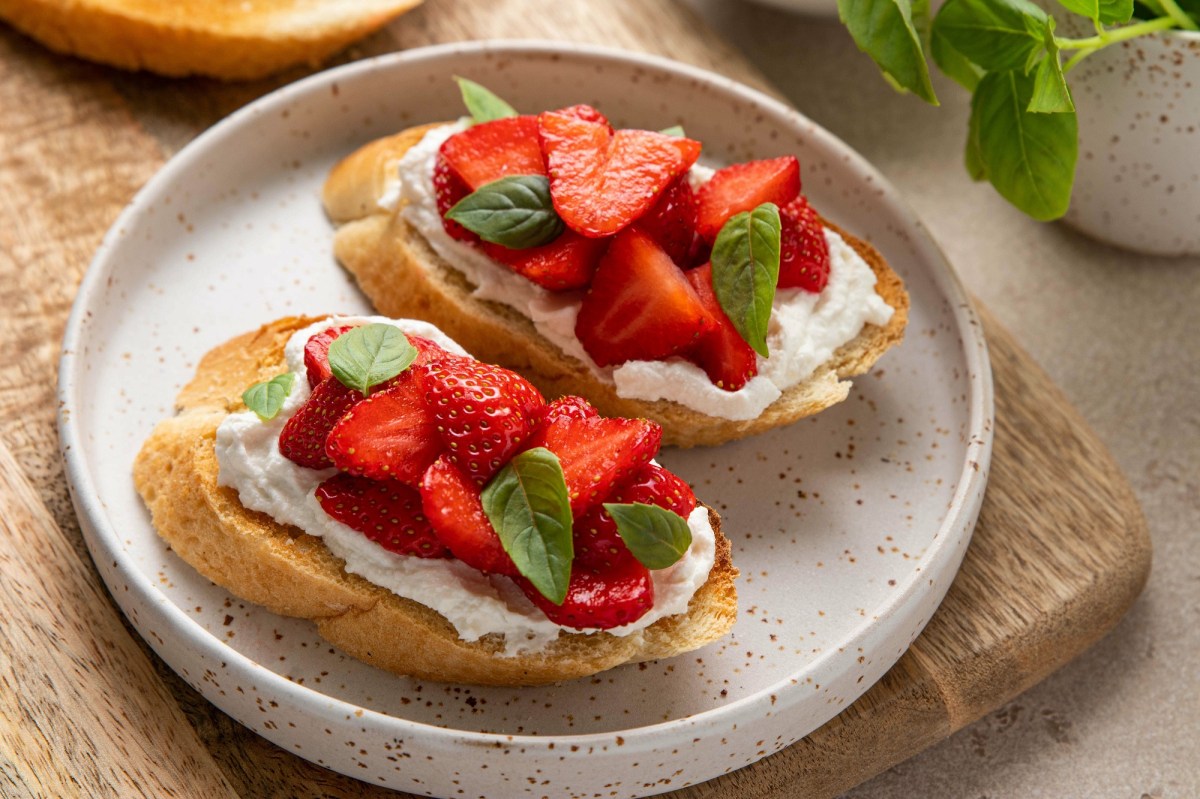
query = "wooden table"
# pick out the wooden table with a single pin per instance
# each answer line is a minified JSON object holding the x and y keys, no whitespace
{"x":1060,"y":552}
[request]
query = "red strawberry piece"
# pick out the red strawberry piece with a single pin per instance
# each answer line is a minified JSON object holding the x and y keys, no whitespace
{"x":619,"y":595}
{"x":672,"y":221}
{"x":492,"y":150}
{"x":316,"y":354}
{"x":449,"y":188}
{"x":385,"y":511}
{"x":803,"y":251}
{"x":389,"y":435}
{"x":568,"y":262}
{"x":640,"y":306}
{"x":483,"y":413}
{"x":302,"y":439}
{"x":587,"y":114}
{"x":597,"y":454}
{"x":744,"y":187}
{"x":569,"y":406}
{"x":598,"y":545}
{"x":452,"y":505}
{"x":722,"y":353}
{"x":601,"y":181}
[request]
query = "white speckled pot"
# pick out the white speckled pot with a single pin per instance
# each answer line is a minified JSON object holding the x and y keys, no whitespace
{"x":848,"y":527}
{"x":1137,"y":184}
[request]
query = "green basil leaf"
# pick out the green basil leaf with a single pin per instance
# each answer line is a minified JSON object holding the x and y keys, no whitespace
{"x":973,"y":158}
{"x":674,"y":130}
{"x":884,"y":30}
{"x":1118,"y":12}
{"x":1050,"y":92}
{"x":368,"y":355}
{"x":515,"y":212}
{"x":745,"y":269}
{"x":953,"y":63}
{"x":1087,"y":8}
{"x":997,"y":35}
{"x":267,"y":397}
{"x":482,"y":104}
{"x":527,"y":504}
{"x":657,"y":537}
{"x":1029,"y":158}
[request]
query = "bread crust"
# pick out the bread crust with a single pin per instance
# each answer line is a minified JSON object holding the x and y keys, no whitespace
{"x":294,"y":574}
{"x":402,"y":275}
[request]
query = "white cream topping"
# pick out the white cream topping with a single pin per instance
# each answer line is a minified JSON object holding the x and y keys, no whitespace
{"x":805,"y":328}
{"x":249,"y":461}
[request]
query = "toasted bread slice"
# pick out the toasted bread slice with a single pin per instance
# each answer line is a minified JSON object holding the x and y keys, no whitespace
{"x":402,"y":275}
{"x":294,"y":574}
{"x":228,"y":39}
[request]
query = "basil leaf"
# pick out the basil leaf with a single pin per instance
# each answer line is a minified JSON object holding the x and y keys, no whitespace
{"x":482,"y":104}
{"x":657,"y":537}
{"x":515,"y":211}
{"x":1029,"y":158}
{"x":973,"y":158}
{"x":674,"y":130}
{"x":953,"y":63}
{"x":1105,"y":11}
{"x":527,"y":504}
{"x":368,"y":355}
{"x":267,"y":397}
{"x":884,"y":30}
{"x":1087,"y":8}
{"x":997,"y":35}
{"x":745,"y":269}
{"x":1050,"y":92}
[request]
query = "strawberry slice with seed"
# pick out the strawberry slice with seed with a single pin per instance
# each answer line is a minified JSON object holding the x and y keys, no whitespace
{"x":620,"y":594}
{"x":803,"y":250}
{"x":316,"y":354}
{"x":449,"y":188}
{"x":482,"y":413}
{"x":744,"y":187}
{"x":602,"y":181}
{"x":302,"y":439}
{"x":672,"y":221}
{"x":722,"y":353}
{"x":489,"y":151}
{"x":452,"y":503}
{"x":385,"y":511}
{"x":566,"y":263}
{"x":640,"y":305}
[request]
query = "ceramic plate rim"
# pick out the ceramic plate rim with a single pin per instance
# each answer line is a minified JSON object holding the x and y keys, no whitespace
{"x":966,"y":498}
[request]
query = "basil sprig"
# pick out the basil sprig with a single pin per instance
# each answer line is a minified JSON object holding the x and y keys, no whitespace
{"x":656,"y":536}
{"x":745,"y":269}
{"x":267,"y":397}
{"x":368,"y":355}
{"x":1022,"y":136}
{"x":528,"y":505}
{"x":515,"y":211}
{"x":481,"y":103}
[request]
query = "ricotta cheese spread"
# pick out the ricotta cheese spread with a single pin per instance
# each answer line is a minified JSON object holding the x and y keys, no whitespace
{"x":805,"y":328}
{"x":250,"y":462}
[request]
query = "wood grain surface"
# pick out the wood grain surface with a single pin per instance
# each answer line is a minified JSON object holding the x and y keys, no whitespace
{"x":1060,"y":551}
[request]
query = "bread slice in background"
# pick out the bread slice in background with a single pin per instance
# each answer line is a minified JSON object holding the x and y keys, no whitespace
{"x":294,"y":574}
{"x":402,"y":276}
{"x":227,"y":39}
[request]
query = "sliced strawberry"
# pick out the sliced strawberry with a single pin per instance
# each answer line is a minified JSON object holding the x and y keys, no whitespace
{"x":597,"y":454}
{"x":452,"y":505}
{"x":389,"y":435}
{"x":385,"y":511}
{"x":640,"y":306}
{"x":568,"y":262}
{"x":316,"y":354}
{"x":722,"y":353}
{"x":672,"y":221}
{"x":302,"y":439}
{"x":587,"y":114}
{"x":803,"y":251}
{"x":449,"y":188}
{"x":483,"y":413}
{"x":601,"y":181}
{"x":598,"y":545}
{"x":492,"y":150}
{"x":619,"y":595}
{"x":744,"y":187}
{"x":569,"y":406}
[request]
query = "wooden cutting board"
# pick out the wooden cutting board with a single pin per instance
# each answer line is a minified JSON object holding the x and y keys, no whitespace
{"x":1060,"y":551}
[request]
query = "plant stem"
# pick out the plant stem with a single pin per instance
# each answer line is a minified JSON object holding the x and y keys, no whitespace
{"x":1181,"y":17}
{"x":1114,"y":35}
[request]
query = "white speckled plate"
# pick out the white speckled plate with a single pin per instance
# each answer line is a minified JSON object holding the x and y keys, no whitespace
{"x":848,"y":527}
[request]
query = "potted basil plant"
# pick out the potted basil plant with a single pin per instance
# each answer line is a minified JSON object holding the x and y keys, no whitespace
{"x":1118,"y":84}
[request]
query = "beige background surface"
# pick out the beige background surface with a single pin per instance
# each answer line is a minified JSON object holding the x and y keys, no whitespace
{"x":1121,"y":334}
